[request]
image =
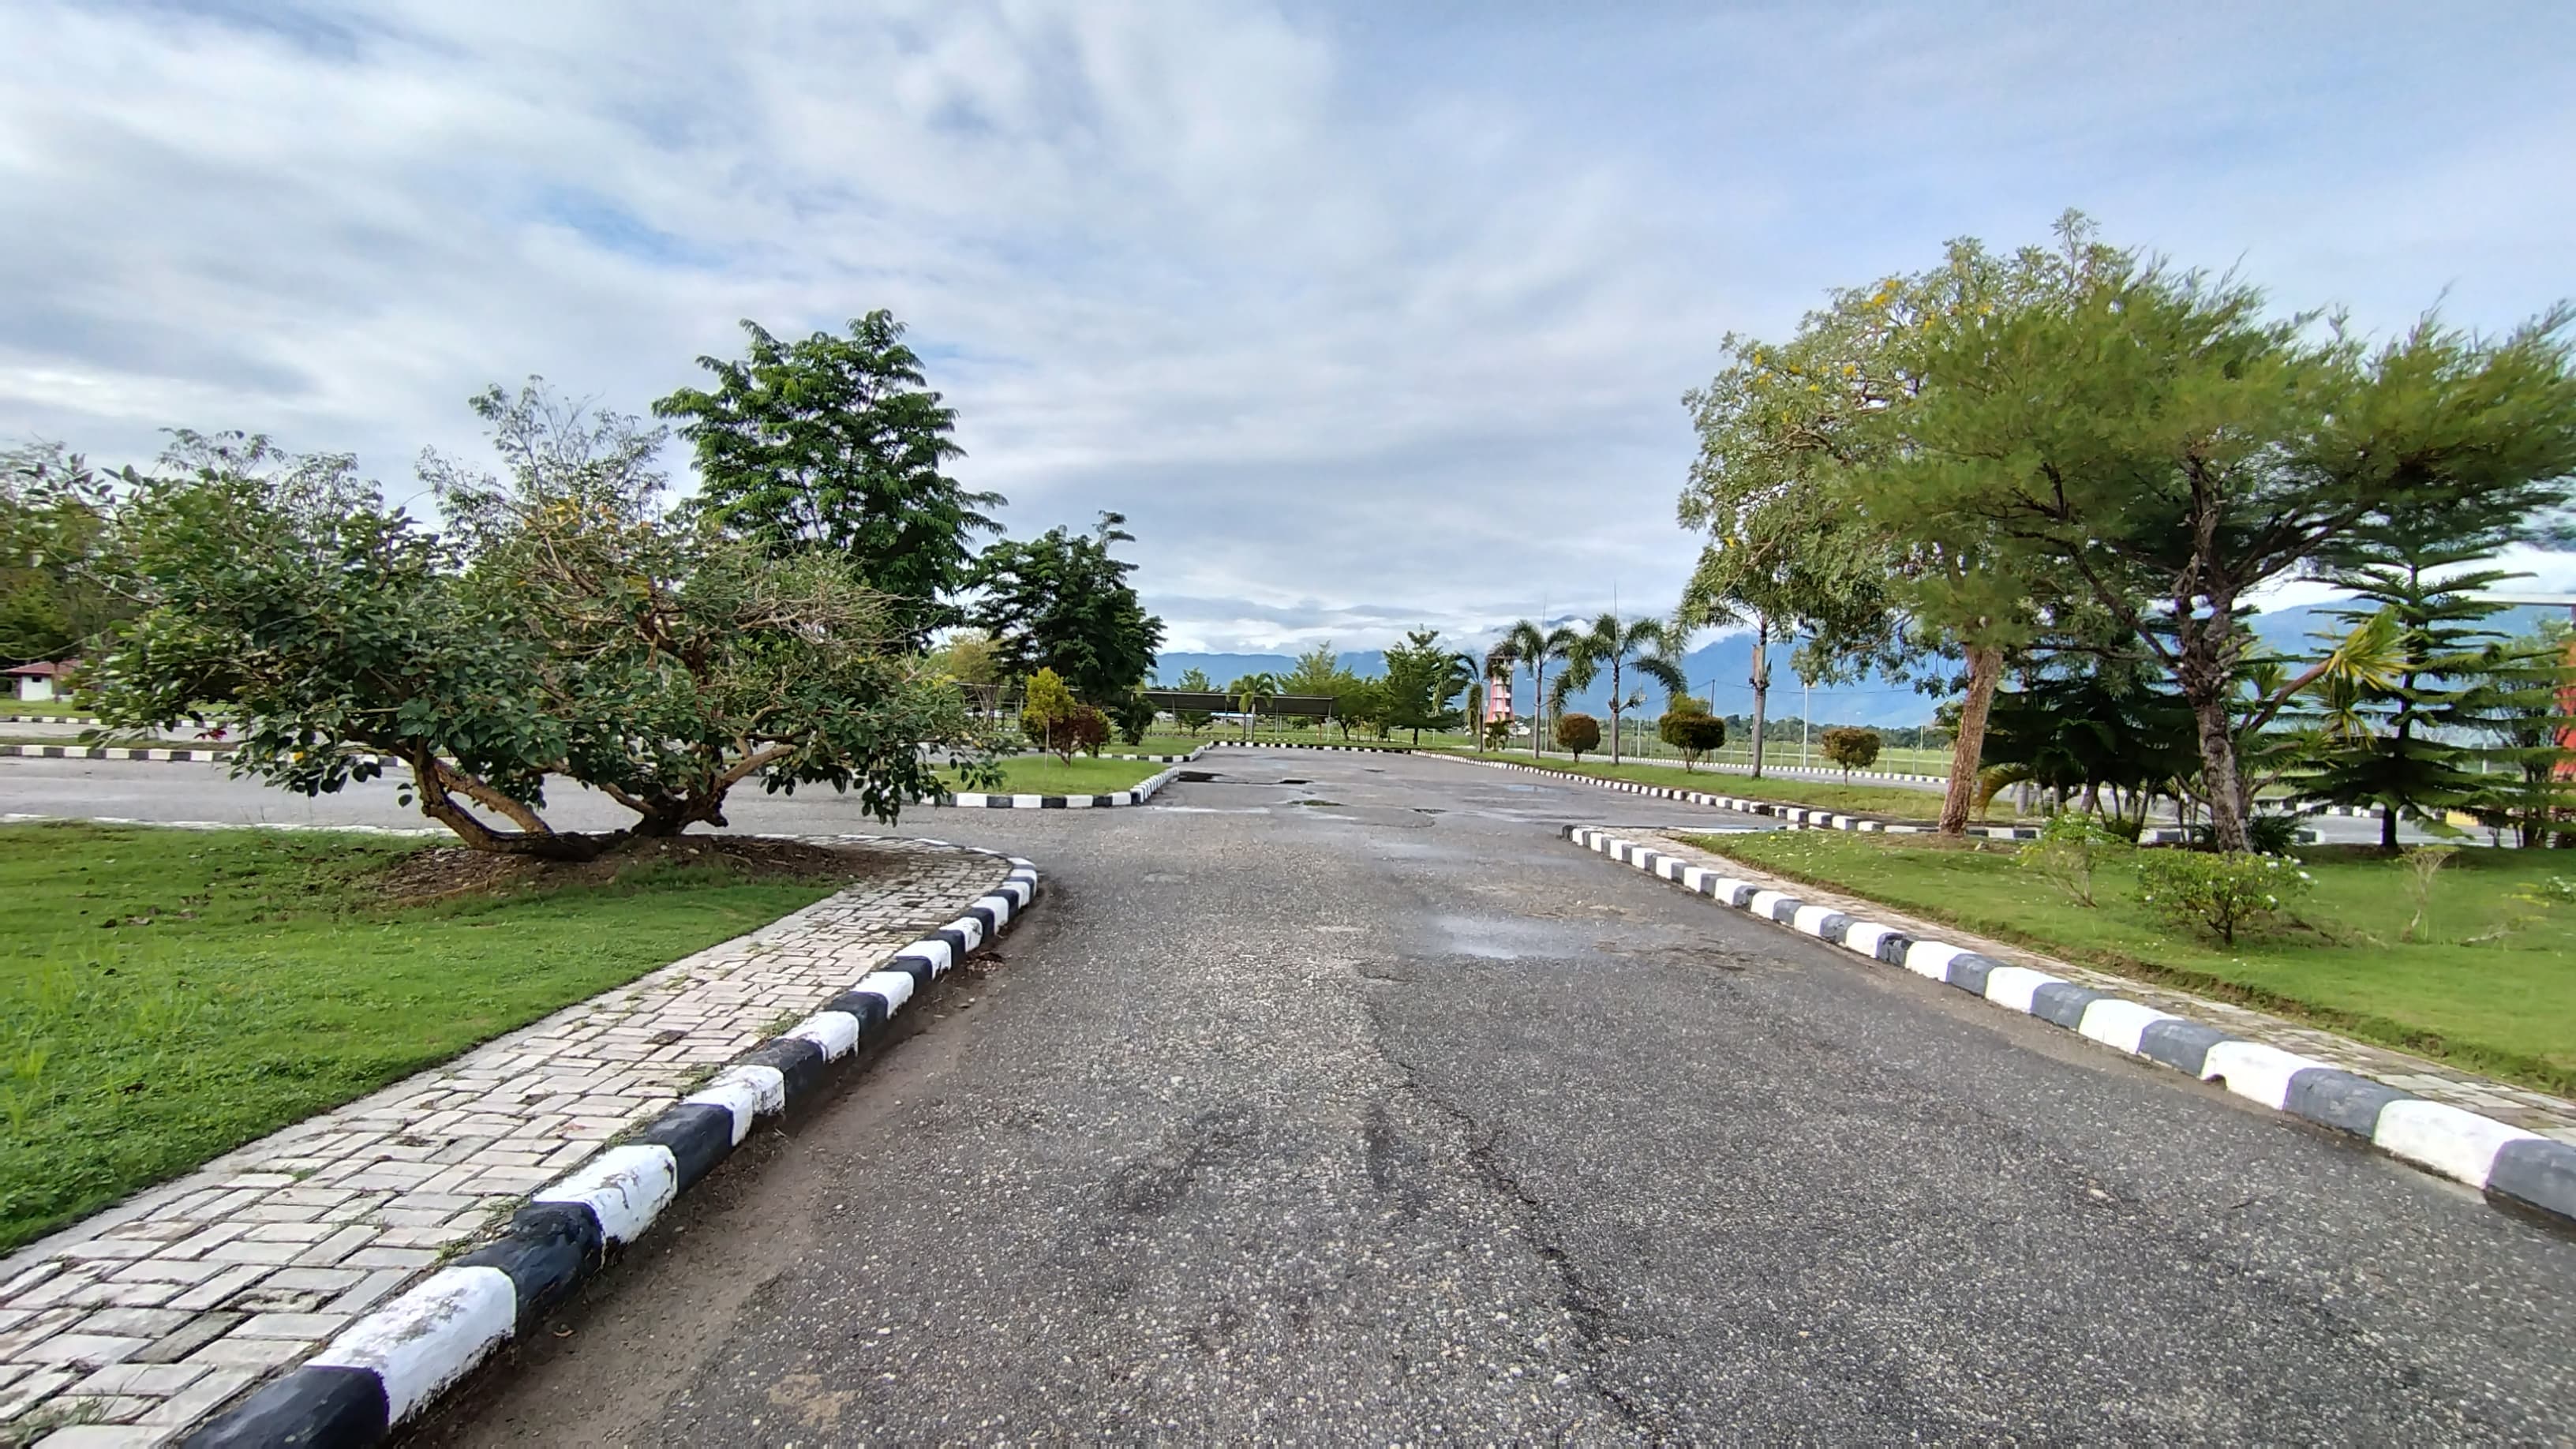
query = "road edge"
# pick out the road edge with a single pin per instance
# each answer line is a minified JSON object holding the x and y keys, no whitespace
{"x":382,"y":1371}
{"x":2510,"y":1165}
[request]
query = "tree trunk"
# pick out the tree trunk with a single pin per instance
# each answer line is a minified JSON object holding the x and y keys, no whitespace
{"x":2388,"y":828}
{"x":1761,"y":685}
{"x":1985,"y":670}
{"x":429,"y":781}
{"x":1538,"y":709}
{"x":1614,"y":713}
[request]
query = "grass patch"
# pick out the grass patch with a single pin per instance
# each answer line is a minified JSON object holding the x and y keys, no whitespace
{"x":1894,"y":801}
{"x":2492,"y":989}
{"x":1047,"y":775}
{"x":168,"y":995}
{"x":48,"y":708}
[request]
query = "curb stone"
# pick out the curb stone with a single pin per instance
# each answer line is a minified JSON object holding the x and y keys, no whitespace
{"x":1292,"y":745}
{"x":1801,"y":816}
{"x":2510,"y":1165}
{"x":380,"y":1372}
{"x":980,"y":800}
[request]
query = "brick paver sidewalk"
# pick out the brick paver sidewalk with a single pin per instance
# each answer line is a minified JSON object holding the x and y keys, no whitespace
{"x":146,"y":1317}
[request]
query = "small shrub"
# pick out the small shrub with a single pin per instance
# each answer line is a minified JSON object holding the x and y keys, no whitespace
{"x":1692,"y":731}
{"x":2422,"y":863}
{"x":1853,"y":748}
{"x":2267,"y":834}
{"x":2071,"y":846}
{"x":1134,"y":716}
{"x":1498,"y":732}
{"x":1086,"y":729}
{"x":1577,"y":733}
{"x":2219,"y":894}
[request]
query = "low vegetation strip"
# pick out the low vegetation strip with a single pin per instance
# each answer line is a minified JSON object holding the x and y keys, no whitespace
{"x":1890,"y":802}
{"x":1048,"y":775}
{"x":2509,"y":1163}
{"x":167,"y":995}
{"x":2482,"y":982}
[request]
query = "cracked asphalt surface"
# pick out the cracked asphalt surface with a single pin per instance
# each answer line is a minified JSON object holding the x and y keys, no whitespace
{"x":1387,"y":1116}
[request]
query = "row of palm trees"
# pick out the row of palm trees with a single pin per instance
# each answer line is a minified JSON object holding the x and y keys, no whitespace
{"x":1631,"y":649}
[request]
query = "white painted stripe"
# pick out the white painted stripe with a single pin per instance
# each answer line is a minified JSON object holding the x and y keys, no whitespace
{"x":836,"y":1032}
{"x":941,"y":958}
{"x":1864,"y":937}
{"x":1728,"y":888}
{"x":1811,"y":919}
{"x":2014,"y":986}
{"x":1695,"y":878}
{"x":2253,"y":1070}
{"x":1002,"y":907}
{"x":747,"y":1092}
{"x":970,"y":928}
{"x":1763,"y":901}
{"x":1931,"y":959}
{"x":1028,"y":802}
{"x":628,"y":1187}
{"x":2456,"y":1143}
{"x":893,"y":987}
{"x":1670,"y":868}
{"x":429,"y":1337}
{"x":1080,"y":802}
{"x":2121,"y":1024}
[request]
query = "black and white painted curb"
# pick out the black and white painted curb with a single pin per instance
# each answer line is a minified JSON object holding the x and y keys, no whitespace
{"x":1298,"y":745}
{"x":2505,"y":1162}
{"x":381,"y":1371}
{"x":113,"y":752}
{"x":1804,"y":817}
{"x":78,"y":719}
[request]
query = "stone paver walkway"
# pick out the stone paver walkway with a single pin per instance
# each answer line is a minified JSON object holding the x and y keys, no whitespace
{"x":2518,"y":1106}
{"x":134,"y":1324}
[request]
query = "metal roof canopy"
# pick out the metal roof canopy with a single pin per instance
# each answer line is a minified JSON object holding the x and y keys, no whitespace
{"x":1217,"y":701}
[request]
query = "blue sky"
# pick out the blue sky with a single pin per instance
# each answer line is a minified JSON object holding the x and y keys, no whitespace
{"x":1367,"y":317}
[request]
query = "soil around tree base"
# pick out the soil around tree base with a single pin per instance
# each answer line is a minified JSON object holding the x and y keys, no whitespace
{"x":445,"y":872}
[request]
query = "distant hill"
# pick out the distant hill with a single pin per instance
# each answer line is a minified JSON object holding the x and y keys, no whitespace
{"x":1720,"y":670}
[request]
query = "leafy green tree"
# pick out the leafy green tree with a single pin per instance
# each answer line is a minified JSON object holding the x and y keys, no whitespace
{"x":1534,"y":648}
{"x":1050,"y":715}
{"x":1133,"y":716}
{"x":838,"y":443}
{"x":1249,"y":690}
{"x":1647,"y":647}
{"x":1420,"y":675}
{"x":2530,"y":720}
{"x":1361,"y":702}
{"x":2103,"y":727}
{"x":1061,"y":601}
{"x":54,"y":595}
{"x":1851,"y":747}
{"x":2152,"y":438}
{"x":1318,"y":669}
{"x":1194,"y":720}
{"x":561,"y":626}
{"x":1687,"y":726}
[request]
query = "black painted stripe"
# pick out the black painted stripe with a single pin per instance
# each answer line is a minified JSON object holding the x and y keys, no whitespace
{"x":2539,"y":1174}
{"x":2063,"y":1003}
{"x":2183,"y":1045}
{"x":2339,"y":1099}
{"x":1968,"y":972}
{"x":699,"y":1134}
{"x":312,"y":1406}
{"x":797,"y":1060}
{"x":867,"y":1006}
{"x":548,"y":1250}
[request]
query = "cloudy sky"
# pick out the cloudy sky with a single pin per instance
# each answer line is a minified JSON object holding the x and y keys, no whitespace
{"x":1367,"y":316}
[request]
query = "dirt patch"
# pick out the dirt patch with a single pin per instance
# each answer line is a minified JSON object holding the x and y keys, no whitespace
{"x":446,"y":872}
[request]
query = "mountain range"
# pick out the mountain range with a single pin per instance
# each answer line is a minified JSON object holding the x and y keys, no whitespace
{"x":1719,"y":671}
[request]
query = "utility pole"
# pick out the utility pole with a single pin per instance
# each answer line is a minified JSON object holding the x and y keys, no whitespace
{"x":1806,"y":716}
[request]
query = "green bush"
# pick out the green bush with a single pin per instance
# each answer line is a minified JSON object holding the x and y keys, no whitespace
{"x":1693,"y":731}
{"x":1577,"y":733}
{"x":1498,"y":731}
{"x":1853,"y":748}
{"x":2218,"y":893}
{"x":2269,"y":833}
{"x":2071,"y":846}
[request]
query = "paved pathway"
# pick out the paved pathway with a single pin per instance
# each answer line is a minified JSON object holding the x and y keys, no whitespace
{"x":147,"y":1316}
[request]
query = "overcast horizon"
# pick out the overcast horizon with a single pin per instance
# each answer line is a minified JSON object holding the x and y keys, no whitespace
{"x":1367,"y":318}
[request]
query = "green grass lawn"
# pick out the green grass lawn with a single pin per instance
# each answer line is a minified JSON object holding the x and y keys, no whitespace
{"x":50,"y":708}
{"x":168,"y":995}
{"x":1894,"y":801}
{"x":1047,"y":775}
{"x":2493,"y":988}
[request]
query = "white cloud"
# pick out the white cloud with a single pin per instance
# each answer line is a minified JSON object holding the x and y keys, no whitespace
{"x":1365,"y":317}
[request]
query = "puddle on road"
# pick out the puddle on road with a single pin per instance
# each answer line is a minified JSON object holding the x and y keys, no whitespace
{"x":1502,"y":938}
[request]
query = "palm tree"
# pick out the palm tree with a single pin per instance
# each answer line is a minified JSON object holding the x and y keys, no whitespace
{"x":1531,"y":647}
{"x":1251,"y":689}
{"x":1641,"y":646}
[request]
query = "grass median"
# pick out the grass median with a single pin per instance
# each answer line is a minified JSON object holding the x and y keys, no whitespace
{"x":1047,"y":775}
{"x":1894,"y":802}
{"x":2490,"y":986}
{"x":168,"y":995}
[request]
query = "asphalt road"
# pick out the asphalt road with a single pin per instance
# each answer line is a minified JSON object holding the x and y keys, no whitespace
{"x":1335,"y":1100}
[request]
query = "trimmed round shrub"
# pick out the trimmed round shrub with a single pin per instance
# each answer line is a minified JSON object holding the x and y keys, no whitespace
{"x":1577,"y":733}
{"x":1693,"y":733}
